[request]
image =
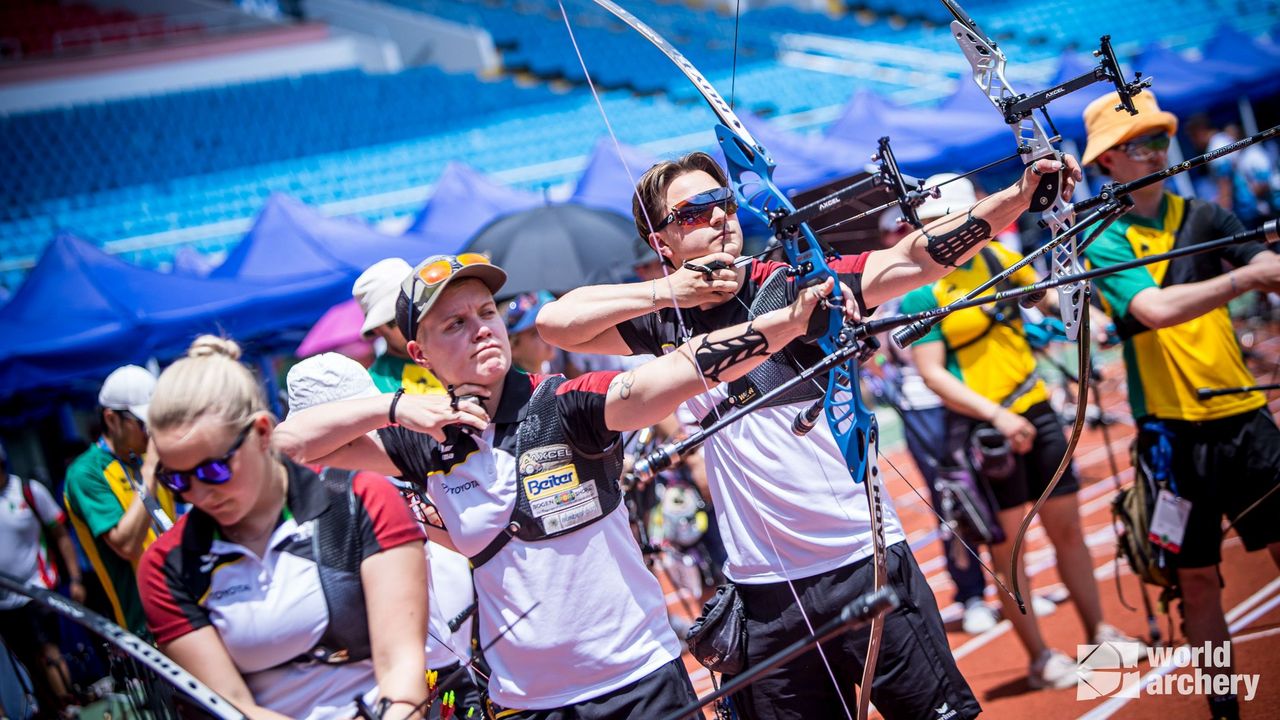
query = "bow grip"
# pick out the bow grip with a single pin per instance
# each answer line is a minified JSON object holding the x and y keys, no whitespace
{"x":902,"y":337}
{"x":1047,"y":189}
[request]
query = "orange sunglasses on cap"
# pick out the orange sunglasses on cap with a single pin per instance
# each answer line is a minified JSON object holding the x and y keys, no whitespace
{"x":440,"y":270}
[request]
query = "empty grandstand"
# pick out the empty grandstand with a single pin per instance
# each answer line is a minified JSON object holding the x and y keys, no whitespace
{"x":152,"y":128}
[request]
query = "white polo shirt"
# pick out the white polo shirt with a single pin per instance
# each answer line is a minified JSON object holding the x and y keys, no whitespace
{"x":23,"y":553}
{"x":786,"y":505}
{"x":270,"y":610}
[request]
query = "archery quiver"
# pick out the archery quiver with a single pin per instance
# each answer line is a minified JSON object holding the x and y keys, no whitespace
{"x":718,"y":638}
{"x":1131,"y":510}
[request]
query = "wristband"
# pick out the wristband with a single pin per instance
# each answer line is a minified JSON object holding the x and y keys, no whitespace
{"x":1234,"y":289}
{"x":391,"y":413}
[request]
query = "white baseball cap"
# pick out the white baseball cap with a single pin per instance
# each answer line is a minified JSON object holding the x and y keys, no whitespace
{"x":128,"y":388}
{"x":956,"y":196}
{"x":327,"y":377}
{"x":376,"y":290}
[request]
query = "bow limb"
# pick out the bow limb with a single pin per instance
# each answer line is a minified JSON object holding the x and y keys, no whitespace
{"x":1084,"y":344}
{"x":750,"y":170}
{"x":1082,"y":402}
{"x":1034,"y":144}
{"x":875,"y":504}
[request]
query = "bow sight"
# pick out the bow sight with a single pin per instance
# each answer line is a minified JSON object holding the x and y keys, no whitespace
{"x":887,"y":174}
{"x":1017,"y":108}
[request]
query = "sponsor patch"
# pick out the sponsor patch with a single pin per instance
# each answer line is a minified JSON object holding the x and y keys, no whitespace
{"x":550,"y":482}
{"x":563,"y":498}
{"x":225,"y":593}
{"x":572,"y":517}
{"x":541,"y":459}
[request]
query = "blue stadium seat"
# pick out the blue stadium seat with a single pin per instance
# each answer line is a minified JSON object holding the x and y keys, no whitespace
{"x":150,"y":165}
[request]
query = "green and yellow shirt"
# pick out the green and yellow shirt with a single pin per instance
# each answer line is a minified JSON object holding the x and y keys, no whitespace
{"x":1166,"y":366}
{"x":99,"y":489}
{"x":990,"y":356}
{"x":391,"y":373}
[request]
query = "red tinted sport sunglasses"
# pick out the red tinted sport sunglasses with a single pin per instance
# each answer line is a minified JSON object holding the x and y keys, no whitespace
{"x":698,"y":209}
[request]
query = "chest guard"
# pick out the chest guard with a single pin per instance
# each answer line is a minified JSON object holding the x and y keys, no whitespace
{"x":559,"y":489}
{"x":335,"y":545}
{"x":777,"y":291}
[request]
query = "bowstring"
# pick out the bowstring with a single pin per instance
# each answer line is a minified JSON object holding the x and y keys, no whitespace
{"x":733,"y":74}
{"x":954,"y":536}
{"x":686,"y":336}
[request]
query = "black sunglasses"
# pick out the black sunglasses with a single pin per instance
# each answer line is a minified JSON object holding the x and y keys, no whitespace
{"x":213,"y":472}
{"x":1146,"y":145}
{"x":699,"y":208}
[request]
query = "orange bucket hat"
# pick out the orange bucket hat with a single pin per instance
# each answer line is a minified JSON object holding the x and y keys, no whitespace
{"x":1107,"y":127}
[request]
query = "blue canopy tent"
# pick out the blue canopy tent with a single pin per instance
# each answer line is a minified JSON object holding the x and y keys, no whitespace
{"x":306,"y":262}
{"x":1259,"y":62}
{"x":865,"y":115}
{"x":607,"y":183}
{"x":310,"y":260}
{"x":804,"y":161}
{"x":462,"y":203}
{"x":924,"y":140}
{"x":57,"y":309}
{"x":83,"y":312}
{"x":1184,"y":87}
{"x":292,"y":241}
{"x":279,"y":247}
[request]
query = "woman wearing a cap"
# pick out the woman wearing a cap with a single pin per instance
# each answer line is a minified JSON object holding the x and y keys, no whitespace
{"x":1178,"y":337}
{"x":288,"y":590}
{"x":979,"y":362}
{"x":526,"y":481}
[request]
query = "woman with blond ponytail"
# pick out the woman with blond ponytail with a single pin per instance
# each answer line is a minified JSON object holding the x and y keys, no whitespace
{"x":289,"y":590}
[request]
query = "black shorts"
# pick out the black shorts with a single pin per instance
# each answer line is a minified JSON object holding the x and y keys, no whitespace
{"x":1032,"y":471}
{"x":1223,"y":467}
{"x":915,"y":673}
{"x":658,"y":694}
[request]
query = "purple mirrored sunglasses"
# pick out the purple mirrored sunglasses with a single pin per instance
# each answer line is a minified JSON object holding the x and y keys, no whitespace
{"x":215,"y":471}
